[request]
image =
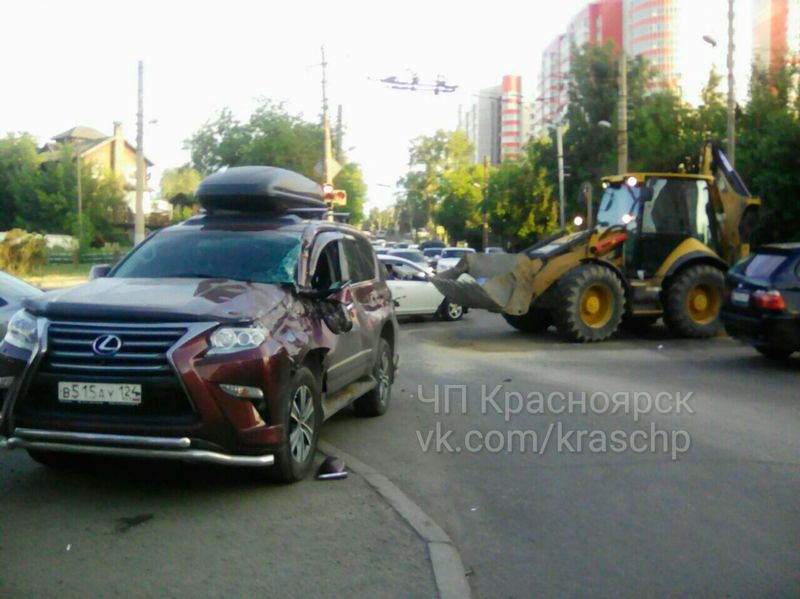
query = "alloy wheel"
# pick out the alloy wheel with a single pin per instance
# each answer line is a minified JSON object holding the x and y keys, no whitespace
{"x":454,"y":311}
{"x":384,"y":378}
{"x":301,"y":423}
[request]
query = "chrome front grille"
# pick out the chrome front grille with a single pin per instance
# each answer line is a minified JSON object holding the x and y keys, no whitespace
{"x":143,"y":350}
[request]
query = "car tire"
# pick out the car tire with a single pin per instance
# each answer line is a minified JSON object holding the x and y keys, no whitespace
{"x":55,"y":459}
{"x":693,"y":302}
{"x":535,"y":320}
{"x":376,"y":402}
{"x":450,"y":312}
{"x":302,"y":421}
{"x":774,"y":353}
{"x":590,"y":303}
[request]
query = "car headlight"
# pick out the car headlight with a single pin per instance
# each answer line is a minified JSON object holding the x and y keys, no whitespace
{"x":22,"y":331}
{"x":226,"y":340}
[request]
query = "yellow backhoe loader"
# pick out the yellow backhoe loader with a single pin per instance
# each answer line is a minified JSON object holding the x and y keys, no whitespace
{"x":661,"y":246}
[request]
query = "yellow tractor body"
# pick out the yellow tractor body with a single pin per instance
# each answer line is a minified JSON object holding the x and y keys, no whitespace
{"x":660,"y":248}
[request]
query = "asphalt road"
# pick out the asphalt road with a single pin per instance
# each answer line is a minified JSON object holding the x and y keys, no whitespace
{"x":717,"y":515}
{"x":720,"y":517}
{"x":139,"y":530}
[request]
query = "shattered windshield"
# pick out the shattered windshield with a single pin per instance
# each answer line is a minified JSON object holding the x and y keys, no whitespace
{"x":263,"y":257}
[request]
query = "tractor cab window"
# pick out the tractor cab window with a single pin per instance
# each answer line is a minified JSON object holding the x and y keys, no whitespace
{"x":679,"y":207}
{"x":617,"y":202}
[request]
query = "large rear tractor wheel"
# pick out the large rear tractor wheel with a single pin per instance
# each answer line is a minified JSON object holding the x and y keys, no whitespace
{"x":693,"y":302}
{"x":535,"y":320}
{"x":590,"y":303}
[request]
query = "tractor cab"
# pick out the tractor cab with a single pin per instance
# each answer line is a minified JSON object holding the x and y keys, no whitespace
{"x":661,"y":212}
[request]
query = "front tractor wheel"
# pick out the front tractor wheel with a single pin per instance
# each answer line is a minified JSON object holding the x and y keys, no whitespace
{"x":693,"y":302}
{"x":591,"y":302}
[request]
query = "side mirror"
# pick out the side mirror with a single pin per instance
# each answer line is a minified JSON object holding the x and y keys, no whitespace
{"x":335,"y":315}
{"x":99,"y":271}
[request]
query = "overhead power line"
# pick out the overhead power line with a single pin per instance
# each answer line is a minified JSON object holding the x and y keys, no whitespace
{"x":440,"y":86}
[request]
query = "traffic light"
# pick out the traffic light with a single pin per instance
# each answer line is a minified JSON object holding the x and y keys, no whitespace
{"x":334,"y":197}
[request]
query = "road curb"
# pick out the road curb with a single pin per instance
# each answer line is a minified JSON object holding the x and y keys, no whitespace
{"x":448,"y":569}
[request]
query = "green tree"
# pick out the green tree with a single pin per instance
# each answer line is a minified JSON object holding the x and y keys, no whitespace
{"x":520,"y":201}
{"x":661,"y":135}
{"x":351,"y":180}
{"x":767,"y":153}
{"x":593,"y":91}
{"x":52,"y":207}
{"x":430,"y":157}
{"x":460,"y":204}
{"x":178,"y":186}
{"x":19,"y":173}
{"x":179,"y":183}
{"x":270,"y":136}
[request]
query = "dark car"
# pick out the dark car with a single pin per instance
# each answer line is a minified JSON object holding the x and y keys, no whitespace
{"x":228,"y":338}
{"x":762,"y":300}
{"x":12,"y":292}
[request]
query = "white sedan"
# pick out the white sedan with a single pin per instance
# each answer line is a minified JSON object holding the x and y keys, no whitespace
{"x":413,"y":292}
{"x":450,"y":257}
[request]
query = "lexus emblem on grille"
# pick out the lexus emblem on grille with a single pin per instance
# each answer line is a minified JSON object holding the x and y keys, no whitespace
{"x":107,"y":345}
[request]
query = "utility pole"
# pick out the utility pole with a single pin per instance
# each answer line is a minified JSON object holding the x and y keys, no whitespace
{"x":731,"y":90}
{"x":138,"y":222}
{"x":560,"y":150}
{"x":485,"y":202}
{"x":339,"y":132}
{"x":326,"y":129}
{"x":622,"y":125}
{"x":80,"y":202}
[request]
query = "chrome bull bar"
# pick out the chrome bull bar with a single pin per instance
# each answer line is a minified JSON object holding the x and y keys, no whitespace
{"x":161,"y":448}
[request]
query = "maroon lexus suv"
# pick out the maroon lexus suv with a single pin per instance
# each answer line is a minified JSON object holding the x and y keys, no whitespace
{"x":228,"y":338}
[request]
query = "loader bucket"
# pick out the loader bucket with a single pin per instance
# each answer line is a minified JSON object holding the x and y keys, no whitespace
{"x":494,"y":282}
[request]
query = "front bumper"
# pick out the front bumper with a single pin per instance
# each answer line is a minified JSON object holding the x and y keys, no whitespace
{"x":213,"y":428}
{"x":129,"y":446}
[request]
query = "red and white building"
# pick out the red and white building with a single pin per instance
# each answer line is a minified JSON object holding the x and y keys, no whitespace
{"x":499,"y":123}
{"x":598,"y":23}
{"x":650,"y":28}
{"x":776,"y":33}
{"x":511,"y":118}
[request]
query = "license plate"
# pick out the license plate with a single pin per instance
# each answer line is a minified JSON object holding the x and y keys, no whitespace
{"x":740,"y":297}
{"x":102,"y":393}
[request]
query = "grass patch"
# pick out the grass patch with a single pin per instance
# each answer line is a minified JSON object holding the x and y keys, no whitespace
{"x":61,"y":270}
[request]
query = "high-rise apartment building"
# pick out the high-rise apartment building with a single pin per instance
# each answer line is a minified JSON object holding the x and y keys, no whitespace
{"x":511,"y":118}
{"x":776,"y":33}
{"x":650,"y":27}
{"x":598,"y":23}
{"x":483,"y":124}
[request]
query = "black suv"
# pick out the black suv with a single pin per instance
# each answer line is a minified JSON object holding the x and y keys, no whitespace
{"x":762,"y":300}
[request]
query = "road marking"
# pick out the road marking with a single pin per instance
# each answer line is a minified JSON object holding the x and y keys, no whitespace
{"x":448,"y":569}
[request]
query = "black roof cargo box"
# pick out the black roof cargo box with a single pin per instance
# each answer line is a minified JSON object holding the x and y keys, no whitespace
{"x":260,"y":189}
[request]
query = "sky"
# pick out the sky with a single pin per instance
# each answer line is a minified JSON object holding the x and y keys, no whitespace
{"x":65,"y":63}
